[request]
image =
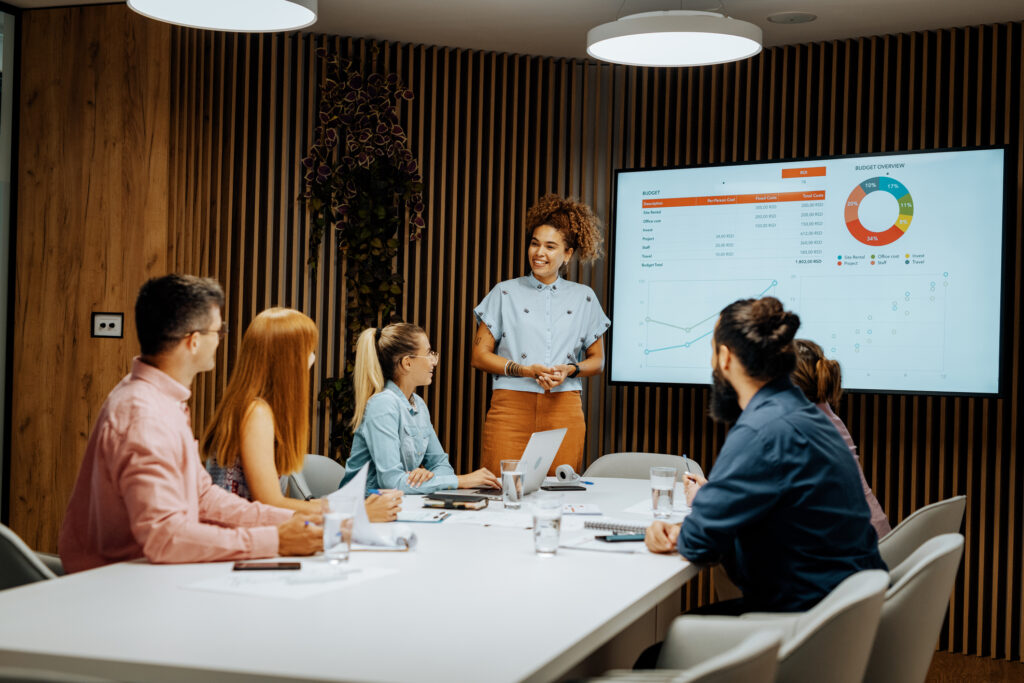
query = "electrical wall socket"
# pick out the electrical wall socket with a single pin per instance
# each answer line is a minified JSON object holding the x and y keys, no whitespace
{"x":108,"y":325}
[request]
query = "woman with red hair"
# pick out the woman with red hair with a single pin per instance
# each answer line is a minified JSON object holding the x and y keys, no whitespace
{"x":260,"y":430}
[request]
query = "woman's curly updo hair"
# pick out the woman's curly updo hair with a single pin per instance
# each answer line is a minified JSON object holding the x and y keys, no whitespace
{"x":820,"y":378}
{"x":575,"y":221}
{"x":760,"y":332}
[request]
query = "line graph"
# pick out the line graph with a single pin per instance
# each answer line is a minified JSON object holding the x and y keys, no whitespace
{"x":669,"y":341}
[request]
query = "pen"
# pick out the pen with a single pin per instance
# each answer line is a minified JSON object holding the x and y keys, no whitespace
{"x":373,"y":492}
{"x":588,"y":483}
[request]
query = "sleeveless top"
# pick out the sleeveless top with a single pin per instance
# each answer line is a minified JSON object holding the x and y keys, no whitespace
{"x":229,"y":478}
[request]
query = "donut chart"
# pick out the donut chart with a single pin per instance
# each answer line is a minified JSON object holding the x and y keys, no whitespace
{"x":893,"y":232}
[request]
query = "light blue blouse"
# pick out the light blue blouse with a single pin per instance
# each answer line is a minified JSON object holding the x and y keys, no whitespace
{"x":536,"y":323}
{"x":396,"y":437}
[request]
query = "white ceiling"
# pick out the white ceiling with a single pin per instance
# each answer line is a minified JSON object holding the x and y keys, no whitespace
{"x":559,"y":27}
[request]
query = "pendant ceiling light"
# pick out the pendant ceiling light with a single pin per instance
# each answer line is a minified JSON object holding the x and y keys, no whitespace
{"x":250,"y":16}
{"x":674,"y":38}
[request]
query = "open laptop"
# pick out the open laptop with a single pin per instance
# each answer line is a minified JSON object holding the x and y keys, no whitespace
{"x":535,"y":462}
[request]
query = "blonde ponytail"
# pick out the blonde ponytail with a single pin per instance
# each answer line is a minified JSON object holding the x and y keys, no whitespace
{"x":367,"y":377}
{"x":377,"y":358}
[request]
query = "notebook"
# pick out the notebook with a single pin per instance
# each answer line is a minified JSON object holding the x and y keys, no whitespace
{"x":535,"y":462}
{"x":615,"y":526}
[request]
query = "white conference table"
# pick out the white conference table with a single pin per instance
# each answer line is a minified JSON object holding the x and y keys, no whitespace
{"x":469,"y":603}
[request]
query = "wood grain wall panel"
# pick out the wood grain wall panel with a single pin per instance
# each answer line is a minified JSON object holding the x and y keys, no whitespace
{"x":93,"y":173}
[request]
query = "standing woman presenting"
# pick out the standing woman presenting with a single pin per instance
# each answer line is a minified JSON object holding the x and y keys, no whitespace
{"x":539,"y":335}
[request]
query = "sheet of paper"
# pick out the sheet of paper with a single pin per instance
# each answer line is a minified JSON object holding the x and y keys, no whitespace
{"x":314,"y":578}
{"x":423,"y":515}
{"x":581,"y":509}
{"x":603,"y":547}
{"x":504,"y":518}
{"x":351,"y":496}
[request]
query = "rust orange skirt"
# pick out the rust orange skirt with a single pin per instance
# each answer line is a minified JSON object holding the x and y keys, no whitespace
{"x":515,"y":415}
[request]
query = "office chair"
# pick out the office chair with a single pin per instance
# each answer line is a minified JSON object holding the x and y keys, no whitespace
{"x":631,"y":465}
{"x":319,"y":476}
{"x":943,"y":517}
{"x":753,"y":660}
{"x":18,"y":564}
{"x":834,"y":636}
{"x":913,"y":612}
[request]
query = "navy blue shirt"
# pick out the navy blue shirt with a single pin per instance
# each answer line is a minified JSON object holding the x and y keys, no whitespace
{"x":783,"y":507}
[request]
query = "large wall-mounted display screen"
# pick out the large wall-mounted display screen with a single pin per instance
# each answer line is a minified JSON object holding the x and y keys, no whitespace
{"x":893,"y":262}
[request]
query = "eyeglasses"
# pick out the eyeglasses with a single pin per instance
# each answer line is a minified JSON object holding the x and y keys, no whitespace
{"x":221,"y":333}
{"x":433,"y":356}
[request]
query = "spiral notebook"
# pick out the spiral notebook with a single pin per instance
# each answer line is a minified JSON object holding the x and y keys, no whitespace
{"x":616,"y":526}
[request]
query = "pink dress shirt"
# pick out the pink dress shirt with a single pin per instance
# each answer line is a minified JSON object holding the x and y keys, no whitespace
{"x":878,"y":518}
{"x":142,"y":490}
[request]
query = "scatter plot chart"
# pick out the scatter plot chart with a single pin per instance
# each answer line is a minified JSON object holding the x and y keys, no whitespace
{"x":678,"y":335}
{"x":890,"y":325}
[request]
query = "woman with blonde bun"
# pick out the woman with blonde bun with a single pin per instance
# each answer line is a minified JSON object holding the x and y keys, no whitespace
{"x":260,"y":429}
{"x":391,"y":425}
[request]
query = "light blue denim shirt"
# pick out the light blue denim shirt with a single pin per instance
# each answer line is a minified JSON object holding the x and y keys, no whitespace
{"x":536,"y":323}
{"x":396,"y":437}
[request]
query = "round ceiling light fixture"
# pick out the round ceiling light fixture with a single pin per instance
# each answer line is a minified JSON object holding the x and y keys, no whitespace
{"x":249,"y":16}
{"x":674,"y":38}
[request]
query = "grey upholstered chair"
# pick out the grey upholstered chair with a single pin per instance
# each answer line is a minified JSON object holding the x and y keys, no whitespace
{"x":319,"y":476}
{"x":913,"y":612}
{"x":18,"y":564}
{"x":638,"y":465}
{"x":831,"y":641}
{"x":943,"y":517}
{"x":753,"y":660}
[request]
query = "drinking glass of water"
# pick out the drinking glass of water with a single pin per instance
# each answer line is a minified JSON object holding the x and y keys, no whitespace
{"x":547,"y":523}
{"x":338,"y":535}
{"x":663,"y":490}
{"x":511,"y":484}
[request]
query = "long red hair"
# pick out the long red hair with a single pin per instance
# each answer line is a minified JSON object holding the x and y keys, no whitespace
{"x":272,"y":365}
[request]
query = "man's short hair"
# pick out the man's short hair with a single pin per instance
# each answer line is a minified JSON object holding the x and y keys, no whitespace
{"x":168,"y":308}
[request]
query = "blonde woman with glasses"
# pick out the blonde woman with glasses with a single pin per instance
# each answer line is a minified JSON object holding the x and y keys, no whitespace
{"x":391,"y":426}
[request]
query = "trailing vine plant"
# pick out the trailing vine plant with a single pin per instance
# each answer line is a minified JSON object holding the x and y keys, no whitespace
{"x":363,"y":183}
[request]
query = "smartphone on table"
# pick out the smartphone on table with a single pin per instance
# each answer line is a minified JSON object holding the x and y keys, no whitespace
{"x":265,"y":566}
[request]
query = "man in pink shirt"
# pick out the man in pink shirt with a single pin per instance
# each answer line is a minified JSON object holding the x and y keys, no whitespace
{"x":142,"y":490}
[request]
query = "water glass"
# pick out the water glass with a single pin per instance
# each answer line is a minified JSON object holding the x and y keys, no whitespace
{"x":511,"y":484}
{"x":663,"y":490}
{"x":338,"y":536}
{"x":547,"y":524}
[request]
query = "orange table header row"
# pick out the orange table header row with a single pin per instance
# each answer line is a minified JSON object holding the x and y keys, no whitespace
{"x":763,"y":198}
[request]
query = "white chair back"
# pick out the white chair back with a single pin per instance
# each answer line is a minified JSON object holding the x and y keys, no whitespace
{"x":18,"y":564}
{"x":914,"y":609}
{"x":753,"y":660}
{"x":634,"y":465}
{"x":836,"y":635}
{"x":943,"y":517}
{"x":319,"y":476}
{"x":831,"y":641}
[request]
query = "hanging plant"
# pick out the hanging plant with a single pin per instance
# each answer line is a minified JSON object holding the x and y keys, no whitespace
{"x":362,"y":182}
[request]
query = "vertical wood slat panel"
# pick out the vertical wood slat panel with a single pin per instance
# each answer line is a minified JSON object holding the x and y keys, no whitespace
{"x":492,"y":132}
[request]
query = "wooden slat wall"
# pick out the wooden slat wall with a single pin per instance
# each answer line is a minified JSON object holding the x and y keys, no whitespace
{"x":494,"y":131}
{"x":92,"y":178}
